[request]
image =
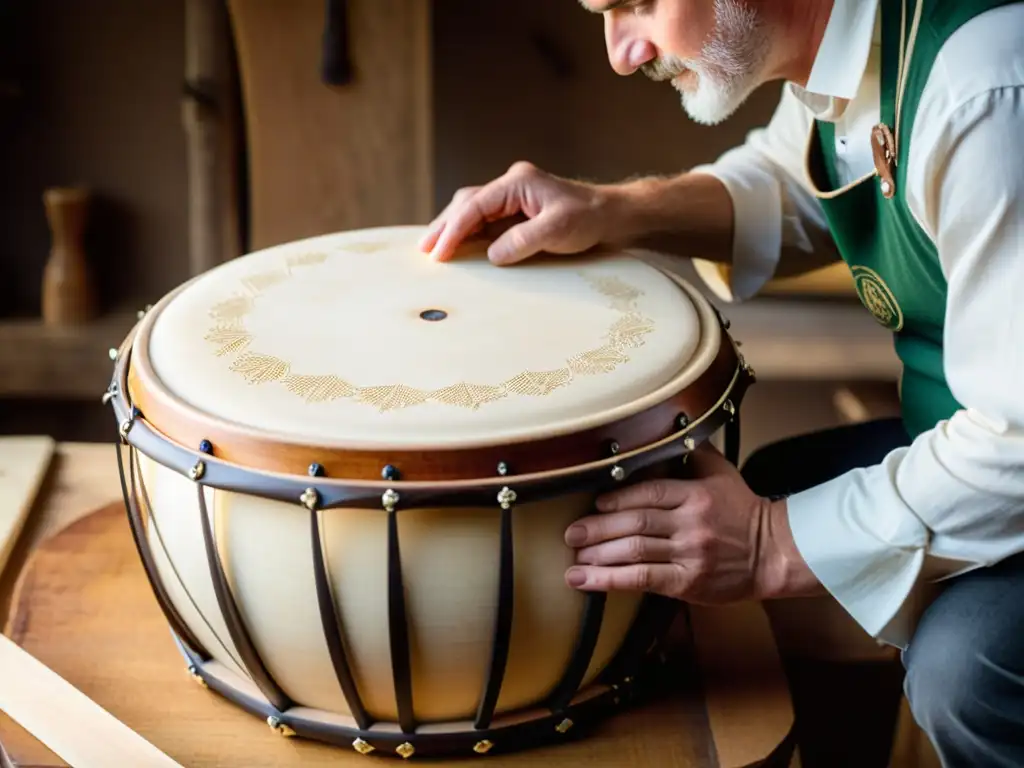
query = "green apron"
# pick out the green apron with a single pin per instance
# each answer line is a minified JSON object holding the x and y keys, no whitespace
{"x":894,"y":263}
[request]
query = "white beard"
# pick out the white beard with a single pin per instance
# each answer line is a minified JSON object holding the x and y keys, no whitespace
{"x":728,"y":69}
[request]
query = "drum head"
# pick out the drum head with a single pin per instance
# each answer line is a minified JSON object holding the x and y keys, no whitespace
{"x":360,"y":340}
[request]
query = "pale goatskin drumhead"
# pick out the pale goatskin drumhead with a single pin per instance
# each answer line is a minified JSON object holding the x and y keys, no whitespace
{"x":361,"y":340}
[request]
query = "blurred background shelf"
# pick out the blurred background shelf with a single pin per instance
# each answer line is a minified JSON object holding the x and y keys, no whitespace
{"x":61,"y":363}
{"x":797,"y":339}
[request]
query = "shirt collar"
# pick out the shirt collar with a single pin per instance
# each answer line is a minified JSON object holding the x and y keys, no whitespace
{"x":852,"y":31}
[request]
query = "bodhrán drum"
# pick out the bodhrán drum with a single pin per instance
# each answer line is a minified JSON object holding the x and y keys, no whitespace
{"x":349,"y":470}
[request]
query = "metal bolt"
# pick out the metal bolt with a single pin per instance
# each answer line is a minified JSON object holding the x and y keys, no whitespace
{"x":310,"y":498}
{"x":506,"y":497}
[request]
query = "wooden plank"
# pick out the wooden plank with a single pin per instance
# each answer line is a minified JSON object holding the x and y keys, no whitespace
{"x":211,"y":120}
{"x":83,"y":477}
{"x":324,"y":158}
{"x":23,"y":465}
{"x":67,"y":721}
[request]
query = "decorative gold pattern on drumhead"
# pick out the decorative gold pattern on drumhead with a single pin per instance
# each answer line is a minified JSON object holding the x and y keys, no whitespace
{"x":876,"y":296}
{"x":230,"y":337}
{"x":483,"y":747}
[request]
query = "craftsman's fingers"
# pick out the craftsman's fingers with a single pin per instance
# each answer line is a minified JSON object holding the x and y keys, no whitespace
{"x":663,"y":579}
{"x":434,"y":228}
{"x":649,"y":494}
{"x":528,"y":238}
{"x":594,"y":529}
{"x":493,"y":201}
{"x":628,"y":551}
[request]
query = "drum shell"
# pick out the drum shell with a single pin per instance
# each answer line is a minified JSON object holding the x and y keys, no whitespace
{"x":449,"y":558}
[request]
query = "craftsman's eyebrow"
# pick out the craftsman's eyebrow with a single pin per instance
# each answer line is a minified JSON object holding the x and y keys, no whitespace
{"x":605,"y":8}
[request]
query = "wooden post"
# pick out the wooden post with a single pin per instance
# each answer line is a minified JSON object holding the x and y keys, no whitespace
{"x":211,"y":123}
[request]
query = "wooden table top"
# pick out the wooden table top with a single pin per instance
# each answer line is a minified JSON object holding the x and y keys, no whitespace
{"x":745,"y":713}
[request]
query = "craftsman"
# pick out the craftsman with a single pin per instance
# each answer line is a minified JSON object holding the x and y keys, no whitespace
{"x":897,"y":147}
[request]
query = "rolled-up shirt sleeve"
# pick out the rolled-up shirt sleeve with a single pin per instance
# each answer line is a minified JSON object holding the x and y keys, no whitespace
{"x":952,"y":501}
{"x":773,"y":209}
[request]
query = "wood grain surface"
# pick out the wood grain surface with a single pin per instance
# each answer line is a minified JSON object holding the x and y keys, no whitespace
{"x":24,"y":461}
{"x":325,"y":158}
{"x":83,"y":608}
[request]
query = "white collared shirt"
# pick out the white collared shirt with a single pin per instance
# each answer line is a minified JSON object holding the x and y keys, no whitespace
{"x":952,"y":501}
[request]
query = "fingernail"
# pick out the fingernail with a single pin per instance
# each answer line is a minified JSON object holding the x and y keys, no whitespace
{"x":575,"y":577}
{"x":576,"y":535}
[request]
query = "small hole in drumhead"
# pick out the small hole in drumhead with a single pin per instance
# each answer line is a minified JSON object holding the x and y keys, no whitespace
{"x":433,"y":315}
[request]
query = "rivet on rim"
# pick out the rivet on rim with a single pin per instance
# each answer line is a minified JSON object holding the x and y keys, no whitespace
{"x":483,"y":747}
{"x":112,"y":353}
{"x":406,"y":750}
{"x":316,"y":470}
{"x":689,"y":443}
{"x":618,"y":473}
{"x":389,"y":472}
{"x":205,"y":446}
{"x":682,"y":421}
{"x":564,"y":726}
{"x":310,"y":498}
{"x":126,"y":427}
{"x":729,"y":408}
{"x":276,"y":725}
{"x":194,"y":674}
{"x":506,"y":497}
{"x":389,"y":499}
{"x":197,"y":470}
{"x":362,"y":747}
{"x":502,"y":468}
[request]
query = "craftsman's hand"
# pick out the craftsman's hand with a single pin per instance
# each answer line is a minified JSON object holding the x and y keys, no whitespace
{"x":558,"y":216}
{"x":708,"y":540}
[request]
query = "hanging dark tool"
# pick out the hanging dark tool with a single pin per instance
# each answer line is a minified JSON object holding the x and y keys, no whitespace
{"x":336,"y":61}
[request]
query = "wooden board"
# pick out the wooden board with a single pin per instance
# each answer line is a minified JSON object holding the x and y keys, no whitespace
{"x":324,"y":158}
{"x":24,"y":461}
{"x":83,"y":608}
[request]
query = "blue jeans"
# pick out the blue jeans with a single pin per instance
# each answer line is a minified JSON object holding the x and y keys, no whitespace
{"x":965,"y":664}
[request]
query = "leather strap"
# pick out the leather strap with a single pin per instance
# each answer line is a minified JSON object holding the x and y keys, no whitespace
{"x":64,"y":719}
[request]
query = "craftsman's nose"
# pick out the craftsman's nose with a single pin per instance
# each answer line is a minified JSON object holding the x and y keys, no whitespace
{"x":628,"y":50}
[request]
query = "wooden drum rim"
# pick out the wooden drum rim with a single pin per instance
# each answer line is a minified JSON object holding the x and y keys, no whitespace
{"x":189,"y":427}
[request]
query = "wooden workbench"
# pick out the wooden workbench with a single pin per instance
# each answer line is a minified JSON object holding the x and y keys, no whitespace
{"x":69,"y":556}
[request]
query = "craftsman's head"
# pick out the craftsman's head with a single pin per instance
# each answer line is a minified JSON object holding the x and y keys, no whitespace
{"x":713,"y":52}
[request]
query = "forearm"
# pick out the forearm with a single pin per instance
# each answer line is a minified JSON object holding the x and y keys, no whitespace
{"x":689,"y":215}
